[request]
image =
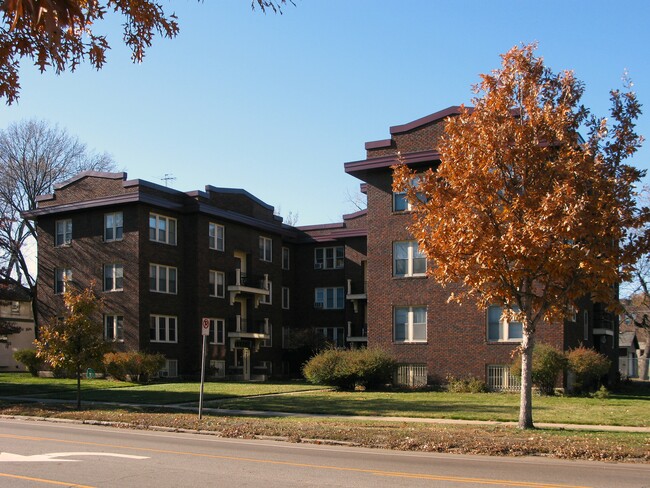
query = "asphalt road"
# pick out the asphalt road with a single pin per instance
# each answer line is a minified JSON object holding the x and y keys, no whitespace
{"x":36,"y":453}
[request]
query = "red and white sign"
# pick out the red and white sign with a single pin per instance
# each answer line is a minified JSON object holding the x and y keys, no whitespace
{"x":205,"y":327}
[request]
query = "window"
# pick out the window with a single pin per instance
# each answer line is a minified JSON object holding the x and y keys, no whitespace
{"x":285,"y":297}
{"x":330,"y":298}
{"x":286,"y":337}
{"x":162,"y":328}
{"x":15,"y":307}
{"x":218,"y":368}
{"x":217,"y":331}
{"x":170,"y":370}
{"x":113,"y":328}
{"x":113,"y":277}
{"x":267,"y":299}
{"x":585,"y":325}
{"x":410,"y":324}
{"x":266,"y":249}
{"x":500,"y":378}
{"x":329,"y":257}
{"x":332,"y":335}
{"x":286,"y":258}
{"x":63,"y":235}
{"x":500,"y":329}
{"x":217,"y":286}
{"x":268,"y":330}
{"x":216,"y":236}
{"x":162,"y":229}
{"x":61,"y":275}
{"x":162,"y":278}
{"x":413,"y":375}
{"x":400,"y":202}
{"x":408,"y":260}
{"x":113,"y":226}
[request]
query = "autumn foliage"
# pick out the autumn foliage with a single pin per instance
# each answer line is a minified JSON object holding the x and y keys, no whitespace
{"x":521,"y":210}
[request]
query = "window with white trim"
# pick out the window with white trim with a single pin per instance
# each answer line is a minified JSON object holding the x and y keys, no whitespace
{"x":334,"y":336}
{"x":408,"y":260}
{"x":216,"y":233}
{"x":113,"y":277}
{"x":500,"y":329}
{"x":500,"y":378}
{"x":162,"y":279}
{"x":286,"y":258}
{"x":61,"y":276}
{"x":266,"y":249}
{"x":217,"y":285}
{"x":329,"y":257}
{"x":162,"y":229}
{"x":63,"y":234}
{"x":268,"y":299}
{"x":162,"y":328}
{"x":410,"y":324}
{"x":113,"y":226}
{"x":332,"y":298}
{"x":170,"y":370}
{"x":217,"y":331}
{"x":113,"y":328}
{"x":285,"y":297}
{"x":400,"y":201}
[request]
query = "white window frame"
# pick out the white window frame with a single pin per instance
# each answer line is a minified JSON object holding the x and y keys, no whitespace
{"x":170,"y":229}
{"x":170,"y":369}
{"x":332,"y":257}
{"x":166,"y":336}
{"x":503,"y":327}
{"x":217,"y":283}
{"x":216,"y":236}
{"x":337,"y":335}
{"x":116,"y":277}
{"x":168,"y":281}
{"x":286,"y":258}
{"x":116,"y":226}
{"x":412,"y":253}
{"x":268,"y":299}
{"x":115,"y":324}
{"x":61,"y":276}
{"x":329,"y":298}
{"x":266,"y":249}
{"x":400,"y":197}
{"x":500,"y":378}
{"x":411,"y":327}
{"x":286,"y":295}
{"x":63,"y":232}
{"x":217,"y":331}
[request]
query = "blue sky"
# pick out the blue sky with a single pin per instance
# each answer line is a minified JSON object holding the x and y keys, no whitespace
{"x":276,"y":104}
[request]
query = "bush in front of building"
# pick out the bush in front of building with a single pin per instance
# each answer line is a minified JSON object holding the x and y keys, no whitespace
{"x":548,"y":363}
{"x":134,"y":366}
{"x":348,"y":369}
{"x":588,"y":366}
{"x":469,"y":384}
{"x":27,"y":357}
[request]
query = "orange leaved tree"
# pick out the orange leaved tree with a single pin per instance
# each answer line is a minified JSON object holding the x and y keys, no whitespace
{"x":74,"y":342}
{"x":522,"y":210}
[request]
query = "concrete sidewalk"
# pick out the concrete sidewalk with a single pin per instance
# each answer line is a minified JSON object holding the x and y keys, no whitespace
{"x":193,"y":407}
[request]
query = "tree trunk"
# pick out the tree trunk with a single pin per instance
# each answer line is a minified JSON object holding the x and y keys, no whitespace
{"x":643,"y":360}
{"x":78,"y":387}
{"x":526,"y":399}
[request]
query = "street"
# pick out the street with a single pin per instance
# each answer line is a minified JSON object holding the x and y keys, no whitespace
{"x":37,"y":453}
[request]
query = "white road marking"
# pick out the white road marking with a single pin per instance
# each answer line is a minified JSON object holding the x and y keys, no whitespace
{"x":55,"y":456}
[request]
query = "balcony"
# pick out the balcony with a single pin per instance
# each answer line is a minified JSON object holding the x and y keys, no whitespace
{"x":257,"y":286}
{"x":363,"y":337}
{"x":356,"y":291}
{"x":249,"y":333}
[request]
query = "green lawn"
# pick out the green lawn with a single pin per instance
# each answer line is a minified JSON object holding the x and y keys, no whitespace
{"x":628,"y":408}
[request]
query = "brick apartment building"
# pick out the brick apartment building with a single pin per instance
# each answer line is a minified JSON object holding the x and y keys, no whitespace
{"x":165,"y":259}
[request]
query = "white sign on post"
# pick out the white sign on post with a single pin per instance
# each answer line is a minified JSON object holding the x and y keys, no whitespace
{"x":205,"y":327}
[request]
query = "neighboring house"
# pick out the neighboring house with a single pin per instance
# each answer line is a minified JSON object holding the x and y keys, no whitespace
{"x":164,"y":260}
{"x":635,"y":349}
{"x":408,"y":313}
{"x":16,"y":323}
{"x":627,"y":351}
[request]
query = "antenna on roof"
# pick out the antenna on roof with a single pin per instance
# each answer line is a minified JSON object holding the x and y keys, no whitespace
{"x":167,"y":178}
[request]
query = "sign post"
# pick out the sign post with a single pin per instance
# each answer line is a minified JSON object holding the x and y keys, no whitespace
{"x":205,"y":331}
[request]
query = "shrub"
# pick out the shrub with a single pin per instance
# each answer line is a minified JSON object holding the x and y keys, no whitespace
{"x":469,"y":384}
{"x":548,"y":362}
{"x":347,"y":369}
{"x":27,"y":357}
{"x":588,"y":366}
{"x":134,"y":365}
